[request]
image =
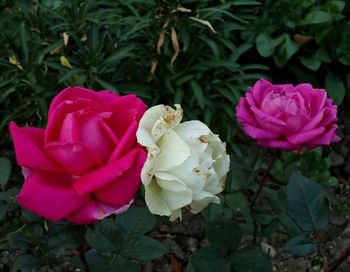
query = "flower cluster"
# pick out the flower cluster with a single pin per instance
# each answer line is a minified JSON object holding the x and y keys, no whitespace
{"x":97,"y":147}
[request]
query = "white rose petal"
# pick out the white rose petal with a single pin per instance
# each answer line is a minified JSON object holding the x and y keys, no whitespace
{"x":186,"y":164}
{"x":173,"y":151}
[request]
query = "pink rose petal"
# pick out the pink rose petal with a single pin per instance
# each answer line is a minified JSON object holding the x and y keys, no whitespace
{"x":303,"y":137}
{"x":126,"y":143}
{"x":123,"y":188}
{"x":102,"y":176}
{"x":29,"y":148}
{"x":260,"y":90}
{"x":50,"y":195}
{"x":74,"y":93}
{"x":326,"y":138}
{"x":59,"y":114}
{"x":126,"y":109}
{"x":92,"y":134}
{"x":279,"y":144}
{"x":257,"y":133}
{"x":76,"y":158}
{"x":244,"y":114}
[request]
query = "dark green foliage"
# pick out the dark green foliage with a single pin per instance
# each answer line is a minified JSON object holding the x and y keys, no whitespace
{"x":307,"y":203}
{"x":117,"y":242}
{"x":5,"y":171}
{"x":250,"y":259}
{"x":300,"y":246}
{"x":203,"y":55}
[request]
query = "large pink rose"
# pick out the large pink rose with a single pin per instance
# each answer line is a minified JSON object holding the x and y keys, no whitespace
{"x":86,"y":164}
{"x":288,"y":117}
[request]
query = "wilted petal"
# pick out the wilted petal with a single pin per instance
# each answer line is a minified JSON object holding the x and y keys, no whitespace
{"x":194,"y":133}
{"x":202,"y":200}
{"x":95,"y":211}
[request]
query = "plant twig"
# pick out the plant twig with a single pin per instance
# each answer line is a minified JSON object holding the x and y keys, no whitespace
{"x":83,"y":259}
{"x":263,"y":178}
{"x":340,"y":260}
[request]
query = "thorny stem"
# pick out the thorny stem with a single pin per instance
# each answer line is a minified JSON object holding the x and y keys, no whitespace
{"x":340,"y":260}
{"x":83,"y":259}
{"x":263,"y":178}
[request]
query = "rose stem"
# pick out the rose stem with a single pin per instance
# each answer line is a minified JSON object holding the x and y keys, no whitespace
{"x":339,"y":261}
{"x":263,"y":178}
{"x":83,"y":259}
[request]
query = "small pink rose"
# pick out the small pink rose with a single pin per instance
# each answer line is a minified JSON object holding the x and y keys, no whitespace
{"x":86,"y":164}
{"x":288,"y":117}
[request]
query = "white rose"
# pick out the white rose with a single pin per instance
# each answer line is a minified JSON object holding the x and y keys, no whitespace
{"x":186,"y":164}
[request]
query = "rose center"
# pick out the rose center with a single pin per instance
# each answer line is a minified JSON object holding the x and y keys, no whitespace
{"x":279,"y":102}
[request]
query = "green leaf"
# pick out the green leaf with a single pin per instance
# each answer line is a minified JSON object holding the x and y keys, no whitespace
{"x":311,"y":62}
{"x":142,"y":248}
{"x":118,"y":55}
{"x":250,"y":259}
{"x":136,"y":220}
{"x":198,"y":93}
{"x":224,"y":234}
{"x":209,"y":259}
{"x":307,"y":203}
{"x":96,"y":262}
{"x":266,"y":45}
{"x":272,"y":197}
{"x":122,"y":264}
{"x":300,"y":246}
{"x":317,"y":17}
{"x":5,"y":171}
{"x":238,"y":202}
{"x":262,"y":215}
{"x":289,"y":225}
{"x":335,"y":88}
{"x":26,"y":263}
{"x":105,"y":237}
{"x":69,"y":238}
{"x":285,"y":51}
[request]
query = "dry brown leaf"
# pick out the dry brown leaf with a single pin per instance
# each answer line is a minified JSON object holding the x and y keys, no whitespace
{"x":154,"y":66}
{"x":175,"y":45}
{"x":13,"y":60}
{"x":182,"y":9}
{"x":301,"y":39}
{"x":65,"y":62}
{"x":65,"y":38}
{"x":160,"y":40}
{"x":176,"y":265}
{"x":162,"y":37}
{"x":203,"y":22}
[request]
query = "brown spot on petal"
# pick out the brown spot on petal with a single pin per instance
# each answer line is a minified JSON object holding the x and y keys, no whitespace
{"x":169,"y":118}
{"x":196,"y":170}
{"x":223,"y":181}
{"x":204,"y":138}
